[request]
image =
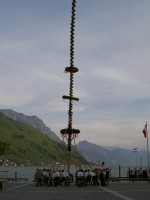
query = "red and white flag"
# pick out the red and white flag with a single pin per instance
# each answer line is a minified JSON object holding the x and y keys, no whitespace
{"x":145,"y":130}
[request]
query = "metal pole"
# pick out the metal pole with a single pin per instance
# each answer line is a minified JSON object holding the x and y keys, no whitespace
{"x":16,"y":175}
{"x":119,"y":171}
{"x":136,"y":159}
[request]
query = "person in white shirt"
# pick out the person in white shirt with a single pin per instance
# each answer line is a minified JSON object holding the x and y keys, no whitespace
{"x":56,"y":176}
{"x":80,"y":177}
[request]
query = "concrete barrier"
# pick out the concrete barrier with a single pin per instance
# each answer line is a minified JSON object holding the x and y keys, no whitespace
{"x":3,"y":184}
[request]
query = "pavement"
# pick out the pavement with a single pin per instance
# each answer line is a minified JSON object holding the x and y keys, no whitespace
{"x":115,"y":191}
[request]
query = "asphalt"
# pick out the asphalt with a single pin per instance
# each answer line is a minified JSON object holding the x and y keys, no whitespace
{"x":115,"y":191}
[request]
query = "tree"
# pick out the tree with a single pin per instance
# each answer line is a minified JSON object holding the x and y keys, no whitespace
{"x":4,"y":148}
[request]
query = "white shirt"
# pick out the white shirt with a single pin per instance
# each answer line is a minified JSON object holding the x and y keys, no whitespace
{"x":80,"y":174}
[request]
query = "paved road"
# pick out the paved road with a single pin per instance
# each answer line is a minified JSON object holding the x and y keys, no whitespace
{"x":115,"y":191}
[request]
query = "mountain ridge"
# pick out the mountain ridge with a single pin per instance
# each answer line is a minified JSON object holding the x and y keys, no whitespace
{"x":90,"y":151}
{"x":28,"y":146}
{"x":111,"y":156}
{"x":32,"y":121}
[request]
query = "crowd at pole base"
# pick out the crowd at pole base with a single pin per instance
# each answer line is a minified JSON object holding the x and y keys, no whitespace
{"x":46,"y":177}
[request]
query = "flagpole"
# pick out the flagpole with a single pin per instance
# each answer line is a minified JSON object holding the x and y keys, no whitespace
{"x":136,"y":160}
{"x":147,"y":151}
{"x":134,"y":150}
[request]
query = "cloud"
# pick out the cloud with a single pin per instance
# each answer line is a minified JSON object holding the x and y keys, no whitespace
{"x":115,"y":75}
{"x":12,"y":99}
{"x":111,"y":52}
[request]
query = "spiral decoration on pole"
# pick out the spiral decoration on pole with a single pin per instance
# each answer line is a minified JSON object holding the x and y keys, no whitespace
{"x":71,"y":133}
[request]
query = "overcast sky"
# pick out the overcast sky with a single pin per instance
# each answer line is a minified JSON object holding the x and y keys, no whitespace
{"x":112,"y":52}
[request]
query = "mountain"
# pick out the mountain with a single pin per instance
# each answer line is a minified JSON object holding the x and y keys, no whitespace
{"x":34,"y":143}
{"x":28,"y":146}
{"x":32,"y":121}
{"x":111,"y":156}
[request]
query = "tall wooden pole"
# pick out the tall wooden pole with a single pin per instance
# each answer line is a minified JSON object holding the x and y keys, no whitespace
{"x":69,"y":132}
{"x":147,"y":149}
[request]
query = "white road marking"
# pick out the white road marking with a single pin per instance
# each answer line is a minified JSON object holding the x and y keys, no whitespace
{"x":117,"y":194}
{"x":18,"y":186}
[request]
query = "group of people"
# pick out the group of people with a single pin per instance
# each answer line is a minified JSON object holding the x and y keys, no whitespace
{"x":92,"y":177}
{"x":52,"y":177}
{"x":63,"y":177}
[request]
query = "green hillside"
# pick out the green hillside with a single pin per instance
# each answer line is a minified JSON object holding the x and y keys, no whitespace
{"x":27,"y":145}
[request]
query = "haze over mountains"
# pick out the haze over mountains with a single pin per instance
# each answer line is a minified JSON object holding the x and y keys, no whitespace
{"x":112,"y":156}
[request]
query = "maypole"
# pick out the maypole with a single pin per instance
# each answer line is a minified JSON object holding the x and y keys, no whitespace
{"x":70,"y":133}
{"x":145,"y":132}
